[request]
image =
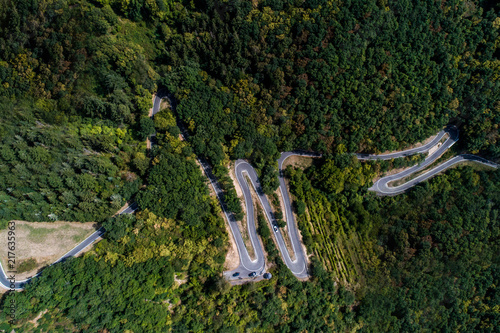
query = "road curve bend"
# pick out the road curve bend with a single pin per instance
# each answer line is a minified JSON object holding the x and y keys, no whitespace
{"x":298,"y":266}
{"x":383,"y":187}
{"x":418,"y":150}
{"x":7,"y":280}
{"x":247,"y":265}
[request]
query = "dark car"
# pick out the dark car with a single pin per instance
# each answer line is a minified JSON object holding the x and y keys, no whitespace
{"x":236,"y":274}
{"x":252,"y":274}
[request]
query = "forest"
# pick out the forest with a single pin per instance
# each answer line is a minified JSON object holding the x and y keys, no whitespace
{"x":75,"y":89}
{"x":424,"y":268}
{"x":252,"y":79}
{"x":420,"y":261}
{"x":361,"y":76}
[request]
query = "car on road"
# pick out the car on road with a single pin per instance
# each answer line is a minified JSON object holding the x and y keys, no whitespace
{"x":252,"y":274}
{"x":236,"y":274}
{"x":275,"y":228}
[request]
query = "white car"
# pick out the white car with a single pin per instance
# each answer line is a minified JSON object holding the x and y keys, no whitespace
{"x":275,"y":228}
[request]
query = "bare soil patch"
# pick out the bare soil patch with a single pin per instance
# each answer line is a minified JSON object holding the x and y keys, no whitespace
{"x":286,"y":234}
{"x":235,"y":182}
{"x":34,"y":321}
{"x":302,"y":162}
{"x":164,"y":104}
{"x":180,"y":279}
{"x":44,"y":242}
{"x":232,"y":257}
{"x":436,"y":147}
{"x":243,"y":223}
{"x":150,"y":114}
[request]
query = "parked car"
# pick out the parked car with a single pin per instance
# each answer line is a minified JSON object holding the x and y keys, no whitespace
{"x":236,"y":274}
{"x":252,"y":274}
{"x":275,"y":228}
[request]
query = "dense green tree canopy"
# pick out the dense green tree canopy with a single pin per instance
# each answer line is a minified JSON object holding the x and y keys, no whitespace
{"x":251,"y":79}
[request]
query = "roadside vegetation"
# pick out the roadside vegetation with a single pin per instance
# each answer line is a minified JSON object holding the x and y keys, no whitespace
{"x":252,"y":79}
{"x":333,"y":222}
{"x":39,"y":244}
{"x":383,"y":166}
{"x":413,"y":259}
{"x":76,"y":88}
{"x":440,"y":160}
{"x":81,"y":171}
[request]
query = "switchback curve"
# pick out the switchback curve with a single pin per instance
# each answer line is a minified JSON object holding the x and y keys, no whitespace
{"x":382,"y":187}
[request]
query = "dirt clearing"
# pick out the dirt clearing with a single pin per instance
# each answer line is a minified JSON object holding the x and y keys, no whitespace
{"x":38,"y":244}
{"x":285,"y":233}
{"x":242,"y":225}
{"x":302,"y":162}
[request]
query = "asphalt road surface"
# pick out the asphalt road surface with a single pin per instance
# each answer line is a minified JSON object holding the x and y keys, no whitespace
{"x":382,"y":186}
{"x":5,"y":277}
{"x":298,"y":266}
{"x":408,"y":152}
{"x":247,"y":265}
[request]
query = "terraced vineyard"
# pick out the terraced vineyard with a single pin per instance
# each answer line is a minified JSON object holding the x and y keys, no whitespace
{"x":340,"y":251}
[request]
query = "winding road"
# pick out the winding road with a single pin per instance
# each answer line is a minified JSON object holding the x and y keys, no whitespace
{"x":382,"y":186}
{"x":247,"y":264}
{"x":298,"y":266}
{"x":418,"y":150}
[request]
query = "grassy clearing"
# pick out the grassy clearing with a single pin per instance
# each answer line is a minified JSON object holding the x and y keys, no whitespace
{"x":39,"y":244}
{"x":476,"y":166}
{"x":40,"y":235}
{"x":302,"y":162}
